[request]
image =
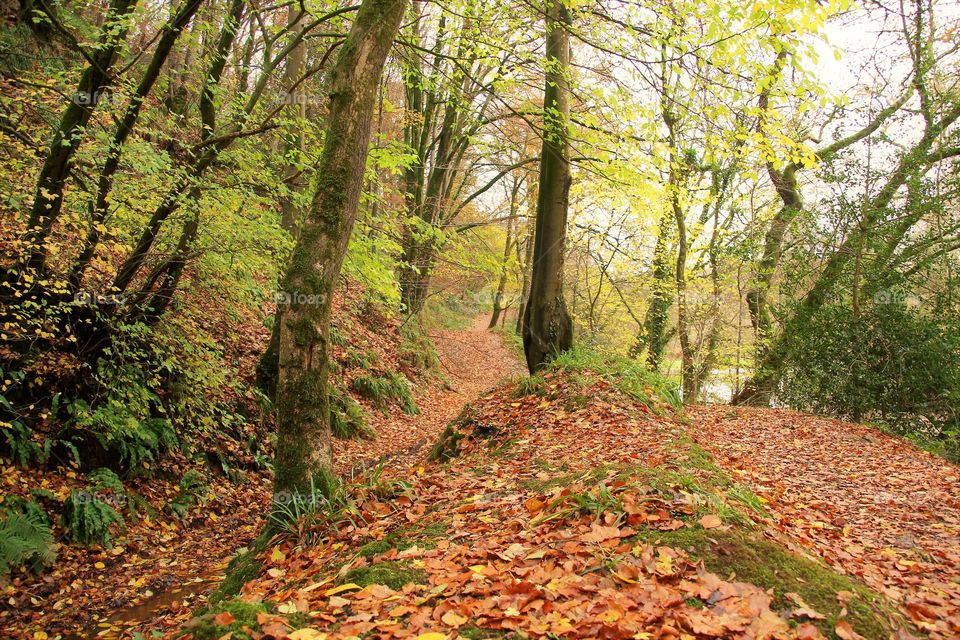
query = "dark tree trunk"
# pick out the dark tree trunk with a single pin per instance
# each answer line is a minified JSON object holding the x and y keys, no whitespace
{"x":98,"y":206}
{"x":303,"y":421}
{"x":547,"y":326}
{"x":66,"y":139}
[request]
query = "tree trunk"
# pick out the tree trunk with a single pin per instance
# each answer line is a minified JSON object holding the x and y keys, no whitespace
{"x":507,"y":248}
{"x":66,"y":139}
{"x":547,"y":326}
{"x":303,"y":421}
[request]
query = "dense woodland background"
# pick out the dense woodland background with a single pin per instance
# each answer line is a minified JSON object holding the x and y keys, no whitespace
{"x":757,"y":202}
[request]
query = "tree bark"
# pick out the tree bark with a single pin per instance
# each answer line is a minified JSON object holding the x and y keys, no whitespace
{"x":98,"y":206}
{"x":303,"y":421}
{"x":66,"y":139}
{"x":547,"y":326}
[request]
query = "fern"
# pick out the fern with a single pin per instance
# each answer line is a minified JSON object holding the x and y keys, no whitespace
{"x":347,"y":419}
{"x":88,"y":516}
{"x":25,"y":539}
{"x":193,"y":486}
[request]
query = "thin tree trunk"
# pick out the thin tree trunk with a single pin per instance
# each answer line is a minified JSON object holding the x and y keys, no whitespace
{"x":507,"y":248}
{"x":48,"y":199}
{"x":98,"y":206}
{"x":547,"y":326}
{"x":303,"y":421}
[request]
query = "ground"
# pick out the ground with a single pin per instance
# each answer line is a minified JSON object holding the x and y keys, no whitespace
{"x":565,"y":506}
{"x":870,"y":504}
{"x":163,"y":571}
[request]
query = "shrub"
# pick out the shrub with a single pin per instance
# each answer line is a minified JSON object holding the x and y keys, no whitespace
{"x":890,"y":364}
{"x":192,"y":488}
{"x":25,"y":539}
{"x":347,"y":418}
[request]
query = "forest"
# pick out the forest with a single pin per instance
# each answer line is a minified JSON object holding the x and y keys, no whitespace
{"x":445,"y":319}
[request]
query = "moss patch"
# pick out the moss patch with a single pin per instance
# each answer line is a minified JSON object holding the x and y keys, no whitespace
{"x":244,"y":621}
{"x":391,"y":574}
{"x":425,"y":538}
{"x":770,"y":566}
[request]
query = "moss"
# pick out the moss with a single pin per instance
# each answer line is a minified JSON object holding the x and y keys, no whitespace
{"x":391,"y":574}
{"x":244,"y":619}
{"x":749,"y":558}
{"x":447,"y":446}
{"x":243,"y":568}
{"x":425,"y":538}
{"x":473,"y":632}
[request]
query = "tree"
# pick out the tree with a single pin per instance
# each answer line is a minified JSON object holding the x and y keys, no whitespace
{"x":547,"y":326}
{"x":303,"y":421}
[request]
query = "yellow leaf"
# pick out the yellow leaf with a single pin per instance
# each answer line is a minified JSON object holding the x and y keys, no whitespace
{"x":99,"y":565}
{"x":287,"y":607}
{"x":452,"y":619}
{"x":432,"y":635}
{"x":344,"y":587}
{"x":277,"y":556}
{"x":307,"y":634}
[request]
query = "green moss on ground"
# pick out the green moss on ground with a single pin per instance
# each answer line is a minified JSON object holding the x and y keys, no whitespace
{"x":748,"y":558}
{"x":392,"y":574}
{"x":425,"y":538}
{"x":244,"y":619}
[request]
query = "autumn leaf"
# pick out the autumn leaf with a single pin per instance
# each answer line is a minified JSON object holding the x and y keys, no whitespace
{"x":710,"y":521}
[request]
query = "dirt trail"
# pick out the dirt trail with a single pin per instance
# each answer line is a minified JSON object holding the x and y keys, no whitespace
{"x":473,"y":360}
{"x":870,"y":504}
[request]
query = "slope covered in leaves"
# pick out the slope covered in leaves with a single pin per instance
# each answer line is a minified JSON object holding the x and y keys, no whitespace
{"x":175,"y":542}
{"x":572,"y":504}
{"x":870,"y":504}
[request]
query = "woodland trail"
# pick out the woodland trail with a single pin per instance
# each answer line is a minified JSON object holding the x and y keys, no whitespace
{"x":182,"y":571}
{"x":870,"y":504}
{"x":473,"y":360}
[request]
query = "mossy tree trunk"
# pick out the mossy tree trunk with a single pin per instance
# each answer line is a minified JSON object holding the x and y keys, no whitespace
{"x":303,"y":420}
{"x":547,"y":326}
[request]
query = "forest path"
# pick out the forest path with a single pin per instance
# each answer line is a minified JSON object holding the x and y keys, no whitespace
{"x":473,"y":360}
{"x":870,"y":504}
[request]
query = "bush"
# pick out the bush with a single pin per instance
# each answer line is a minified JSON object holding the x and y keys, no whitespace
{"x":25,"y":539}
{"x":890,"y":364}
{"x":25,"y":535}
{"x":347,"y":418}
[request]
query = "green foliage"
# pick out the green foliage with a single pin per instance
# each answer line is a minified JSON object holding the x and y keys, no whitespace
{"x":193,"y":487}
{"x":416,"y":349}
{"x":891,"y":364}
{"x":244,"y":615}
{"x":20,"y":445}
{"x":25,"y":539}
{"x":88,"y":514}
{"x":347,"y":418}
{"x":625,"y":374}
{"x":384,"y":389}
